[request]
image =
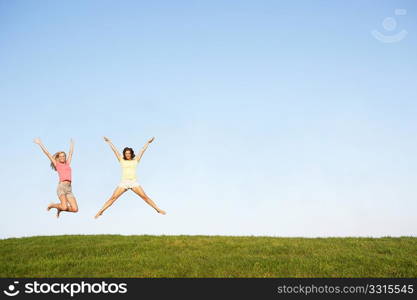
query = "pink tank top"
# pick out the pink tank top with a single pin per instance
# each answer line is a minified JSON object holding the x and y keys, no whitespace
{"x":64,"y":171}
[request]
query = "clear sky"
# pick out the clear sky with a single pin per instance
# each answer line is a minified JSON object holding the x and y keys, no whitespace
{"x":279,"y":118}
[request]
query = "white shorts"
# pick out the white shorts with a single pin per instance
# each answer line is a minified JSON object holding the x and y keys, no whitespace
{"x":128,"y":184}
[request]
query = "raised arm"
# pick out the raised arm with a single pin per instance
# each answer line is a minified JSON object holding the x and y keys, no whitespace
{"x":70,"y":151}
{"x":139,"y":156}
{"x":39,"y":142}
{"x":113,"y":148}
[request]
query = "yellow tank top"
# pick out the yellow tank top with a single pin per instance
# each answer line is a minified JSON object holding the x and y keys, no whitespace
{"x":128,"y":169}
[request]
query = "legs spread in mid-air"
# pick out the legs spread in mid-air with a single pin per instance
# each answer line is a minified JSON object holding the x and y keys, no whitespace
{"x":116,"y":194}
{"x":120,"y":190}
{"x":139,"y":191}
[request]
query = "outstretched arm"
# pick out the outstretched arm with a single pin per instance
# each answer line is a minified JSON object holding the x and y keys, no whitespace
{"x":113,"y":148}
{"x":39,"y":142}
{"x":139,"y":156}
{"x":70,"y":151}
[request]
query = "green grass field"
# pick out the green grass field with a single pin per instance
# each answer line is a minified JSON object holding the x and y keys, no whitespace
{"x":206,"y":256}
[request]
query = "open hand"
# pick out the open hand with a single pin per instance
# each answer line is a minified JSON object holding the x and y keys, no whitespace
{"x":37,"y":141}
{"x":106,"y":139}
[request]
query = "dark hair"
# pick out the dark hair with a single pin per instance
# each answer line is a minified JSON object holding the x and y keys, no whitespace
{"x":131,"y":151}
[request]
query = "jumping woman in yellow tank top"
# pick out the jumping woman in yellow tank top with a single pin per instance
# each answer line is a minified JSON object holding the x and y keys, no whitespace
{"x":128,"y":163}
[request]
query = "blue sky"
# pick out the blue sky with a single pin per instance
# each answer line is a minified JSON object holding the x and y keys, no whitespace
{"x":279,"y":118}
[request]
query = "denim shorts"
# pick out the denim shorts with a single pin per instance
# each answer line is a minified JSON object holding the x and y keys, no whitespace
{"x":64,"y":188}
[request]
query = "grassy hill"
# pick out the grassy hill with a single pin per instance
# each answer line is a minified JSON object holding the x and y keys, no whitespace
{"x":206,"y":256}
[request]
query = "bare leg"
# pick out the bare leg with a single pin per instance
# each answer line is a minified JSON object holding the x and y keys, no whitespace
{"x":139,"y":190}
{"x":72,"y":207}
{"x":53,"y":205}
{"x":63,"y":206}
{"x":57,"y":206}
{"x":116,"y":194}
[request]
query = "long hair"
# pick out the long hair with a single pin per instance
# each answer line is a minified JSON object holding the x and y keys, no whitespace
{"x":131,"y":151}
{"x":56,"y":155}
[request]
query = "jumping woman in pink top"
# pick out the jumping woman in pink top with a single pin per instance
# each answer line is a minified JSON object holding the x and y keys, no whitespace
{"x":61,"y":164}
